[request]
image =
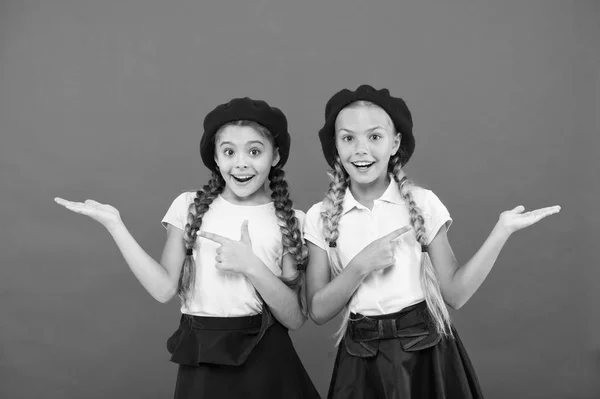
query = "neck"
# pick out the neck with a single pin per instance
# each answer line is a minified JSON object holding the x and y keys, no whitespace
{"x":366,"y":193}
{"x":259,"y":197}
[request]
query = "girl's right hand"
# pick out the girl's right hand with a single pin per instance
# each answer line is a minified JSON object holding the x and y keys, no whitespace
{"x":379,"y":254}
{"x":105,"y":214}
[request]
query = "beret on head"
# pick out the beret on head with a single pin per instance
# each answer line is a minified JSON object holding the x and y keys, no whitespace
{"x":395,"y":107}
{"x":244,"y":109}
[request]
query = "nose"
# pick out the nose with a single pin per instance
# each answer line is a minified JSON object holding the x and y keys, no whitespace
{"x":360,"y":147}
{"x":241,"y":161}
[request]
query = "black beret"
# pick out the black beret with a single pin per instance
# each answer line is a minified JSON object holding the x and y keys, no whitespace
{"x":395,"y":107}
{"x":244,"y":109}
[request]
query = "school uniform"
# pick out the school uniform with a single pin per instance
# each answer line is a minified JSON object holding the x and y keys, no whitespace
{"x":228,"y":344}
{"x":391,"y":348}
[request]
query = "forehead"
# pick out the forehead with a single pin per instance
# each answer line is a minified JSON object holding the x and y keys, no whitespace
{"x":362,"y":117}
{"x":240,"y":135}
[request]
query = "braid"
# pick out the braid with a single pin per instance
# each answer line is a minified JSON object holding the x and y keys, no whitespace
{"x":331,"y":214}
{"x":429,"y":281}
{"x":290,"y":231}
{"x":197,"y":209}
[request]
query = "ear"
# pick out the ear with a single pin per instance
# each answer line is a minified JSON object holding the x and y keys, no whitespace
{"x":276,"y":157}
{"x":217,"y":164}
{"x":396,"y":143}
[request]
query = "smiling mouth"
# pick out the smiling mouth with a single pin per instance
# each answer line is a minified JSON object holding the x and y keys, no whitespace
{"x":243,"y":179}
{"x":362,"y":165}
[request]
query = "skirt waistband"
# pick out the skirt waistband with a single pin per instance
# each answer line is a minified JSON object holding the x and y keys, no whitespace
{"x":222,"y":323}
{"x":225,"y":341}
{"x":412,"y":326}
{"x":419,"y":306}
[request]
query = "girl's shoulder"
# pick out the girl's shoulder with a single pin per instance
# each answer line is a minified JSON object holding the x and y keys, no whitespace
{"x":427,"y":200}
{"x":300,"y":215}
{"x":178,"y":210}
{"x":187,"y":196}
{"x":314,"y":211}
{"x":421,"y":193}
{"x":184,"y":199}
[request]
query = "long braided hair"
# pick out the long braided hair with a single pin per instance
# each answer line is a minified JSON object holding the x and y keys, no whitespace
{"x":196,"y":211}
{"x":331,"y":213}
{"x":288,"y":223}
{"x":429,"y":281}
{"x":290,"y":231}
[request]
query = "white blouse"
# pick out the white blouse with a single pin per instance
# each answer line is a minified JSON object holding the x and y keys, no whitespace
{"x":398,"y":286}
{"x":228,"y":294}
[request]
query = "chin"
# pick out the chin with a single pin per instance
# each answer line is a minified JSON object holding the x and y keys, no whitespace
{"x":370,"y":178}
{"x":361,"y":179}
{"x":364,"y":177}
{"x":243,"y":193}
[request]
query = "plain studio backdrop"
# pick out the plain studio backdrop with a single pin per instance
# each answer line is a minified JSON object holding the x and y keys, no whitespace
{"x":105,"y":100}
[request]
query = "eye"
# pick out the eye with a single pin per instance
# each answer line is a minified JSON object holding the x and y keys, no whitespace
{"x":228,"y":152}
{"x":347,"y":138}
{"x":254,"y":152}
{"x":375,"y":136}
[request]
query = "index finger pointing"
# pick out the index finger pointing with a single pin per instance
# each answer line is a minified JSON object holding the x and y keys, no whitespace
{"x":398,"y":232}
{"x":214,"y":237}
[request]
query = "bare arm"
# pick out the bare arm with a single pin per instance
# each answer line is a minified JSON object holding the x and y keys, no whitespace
{"x":326,"y":296}
{"x":281,"y":299}
{"x":459,"y":283}
{"x":237,"y":256}
{"x":159,"y":279}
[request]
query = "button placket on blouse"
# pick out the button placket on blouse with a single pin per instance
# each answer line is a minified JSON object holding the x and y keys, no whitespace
{"x":370,"y":229}
{"x":373,"y":228}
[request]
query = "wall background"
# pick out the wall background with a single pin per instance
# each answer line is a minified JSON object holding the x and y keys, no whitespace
{"x":105,"y":100}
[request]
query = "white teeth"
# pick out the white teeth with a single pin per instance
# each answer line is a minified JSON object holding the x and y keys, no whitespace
{"x":244,"y":178}
{"x":362,"y":164}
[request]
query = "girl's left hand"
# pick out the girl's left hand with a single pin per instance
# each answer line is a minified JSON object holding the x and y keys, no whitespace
{"x":232,"y":255}
{"x":516,"y":219}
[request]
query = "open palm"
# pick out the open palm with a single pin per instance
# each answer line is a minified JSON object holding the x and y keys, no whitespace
{"x":516,"y":219}
{"x":105,"y":214}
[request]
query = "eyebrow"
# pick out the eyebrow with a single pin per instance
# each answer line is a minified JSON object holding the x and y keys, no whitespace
{"x":368,"y":130}
{"x":249,"y":143}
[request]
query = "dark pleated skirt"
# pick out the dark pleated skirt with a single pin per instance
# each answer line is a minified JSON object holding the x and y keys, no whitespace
{"x":401,"y":356}
{"x":237,"y":357}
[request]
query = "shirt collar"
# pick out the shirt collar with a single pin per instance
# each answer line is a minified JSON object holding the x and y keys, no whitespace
{"x":391,"y":195}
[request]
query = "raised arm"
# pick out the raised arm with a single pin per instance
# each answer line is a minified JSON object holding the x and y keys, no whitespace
{"x":159,"y":279}
{"x":459,"y":283}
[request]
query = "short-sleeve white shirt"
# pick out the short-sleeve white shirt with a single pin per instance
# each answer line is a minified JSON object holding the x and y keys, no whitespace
{"x":398,"y":286}
{"x":228,"y":294}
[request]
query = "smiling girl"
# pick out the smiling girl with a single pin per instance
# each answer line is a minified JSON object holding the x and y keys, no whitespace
{"x":235,"y":257}
{"x":379,"y":253}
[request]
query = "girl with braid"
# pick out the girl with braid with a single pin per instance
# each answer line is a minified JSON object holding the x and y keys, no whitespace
{"x":379,"y":254}
{"x":235,"y":256}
